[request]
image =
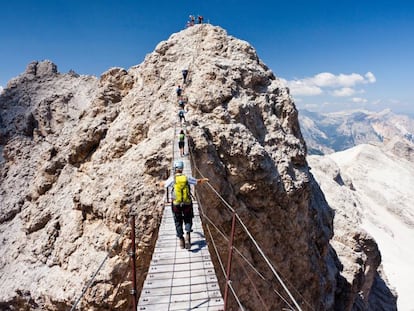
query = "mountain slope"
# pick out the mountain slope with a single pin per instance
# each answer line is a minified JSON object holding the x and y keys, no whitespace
{"x":373,"y":188}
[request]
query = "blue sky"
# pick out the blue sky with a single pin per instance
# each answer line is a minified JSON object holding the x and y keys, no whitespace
{"x":333,"y":54}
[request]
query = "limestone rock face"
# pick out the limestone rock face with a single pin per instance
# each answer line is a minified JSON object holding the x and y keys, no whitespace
{"x":80,"y":154}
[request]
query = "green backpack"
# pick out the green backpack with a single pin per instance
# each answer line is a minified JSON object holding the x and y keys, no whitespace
{"x":182,"y":193}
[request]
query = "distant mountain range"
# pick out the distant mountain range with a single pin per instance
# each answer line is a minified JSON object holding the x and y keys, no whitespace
{"x":330,"y":132}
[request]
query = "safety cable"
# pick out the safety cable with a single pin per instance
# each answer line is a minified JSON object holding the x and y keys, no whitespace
{"x":100,"y":266}
{"x":238,"y":251}
{"x":216,"y":250}
{"x":254,"y":242}
{"x":268,"y":263}
{"x":235,"y":295}
{"x":251,"y":282}
{"x":219,"y":258}
{"x":244,"y":258}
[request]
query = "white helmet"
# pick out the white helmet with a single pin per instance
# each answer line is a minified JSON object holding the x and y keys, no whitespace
{"x":178,"y":165}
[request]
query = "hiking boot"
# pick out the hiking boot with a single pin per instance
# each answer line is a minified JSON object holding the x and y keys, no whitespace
{"x":182,"y":242}
{"x":187,"y":241}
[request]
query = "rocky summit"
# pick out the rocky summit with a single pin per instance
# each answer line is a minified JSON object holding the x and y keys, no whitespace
{"x":80,"y":153}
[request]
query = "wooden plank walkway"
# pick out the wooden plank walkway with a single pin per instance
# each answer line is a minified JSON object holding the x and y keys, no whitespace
{"x":180,"y":279}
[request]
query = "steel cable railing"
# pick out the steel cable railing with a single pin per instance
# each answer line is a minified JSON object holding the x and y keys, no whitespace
{"x":238,"y":253}
{"x":259,"y":249}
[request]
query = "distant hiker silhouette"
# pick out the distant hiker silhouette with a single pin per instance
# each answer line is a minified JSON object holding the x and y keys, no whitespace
{"x":181,"y":142}
{"x":179,"y":91}
{"x":192,"y":20}
{"x":185,"y":73}
{"x":200,"y":19}
{"x":181,"y":103}
{"x":181,"y":116}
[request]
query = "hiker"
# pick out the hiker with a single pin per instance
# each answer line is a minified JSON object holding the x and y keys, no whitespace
{"x":181,"y":103}
{"x":181,"y":142}
{"x":200,"y":19}
{"x":192,"y":20}
{"x":182,"y":205}
{"x":181,"y":116}
{"x":185,"y":73}
{"x":179,"y":91}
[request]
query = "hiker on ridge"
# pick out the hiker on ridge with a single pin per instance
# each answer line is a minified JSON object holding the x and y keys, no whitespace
{"x":185,"y":73}
{"x":181,"y":103}
{"x":181,"y":116}
{"x":181,"y":142}
{"x":179,"y":91}
{"x":182,"y":205}
{"x":192,"y":20}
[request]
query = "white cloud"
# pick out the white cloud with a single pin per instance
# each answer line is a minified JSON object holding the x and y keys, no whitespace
{"x":302,"y":88}
{"x":341,"y":85}
{"x":323,"y":79}
{"x":350,"y":80}
{"x":326,"y":79}
{"x":343,"y":92}
{"x":359,"y":100}
{"x":370,"y":77}
{"x":1,"y":89}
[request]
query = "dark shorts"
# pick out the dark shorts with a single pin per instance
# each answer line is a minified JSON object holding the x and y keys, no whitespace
{"x":180,"y":144}
{"x":185,"y":210}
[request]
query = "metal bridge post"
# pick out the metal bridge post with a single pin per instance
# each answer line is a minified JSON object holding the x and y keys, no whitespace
{"x":229,"y":259}
{"x":133,"y":264}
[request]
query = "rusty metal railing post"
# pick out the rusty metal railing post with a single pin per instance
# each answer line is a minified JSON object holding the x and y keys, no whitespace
{"x":132,"y":255}
{"x":229,"y":259}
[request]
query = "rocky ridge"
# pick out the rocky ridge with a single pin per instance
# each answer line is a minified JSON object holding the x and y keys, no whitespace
{"x":80,"y":153}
